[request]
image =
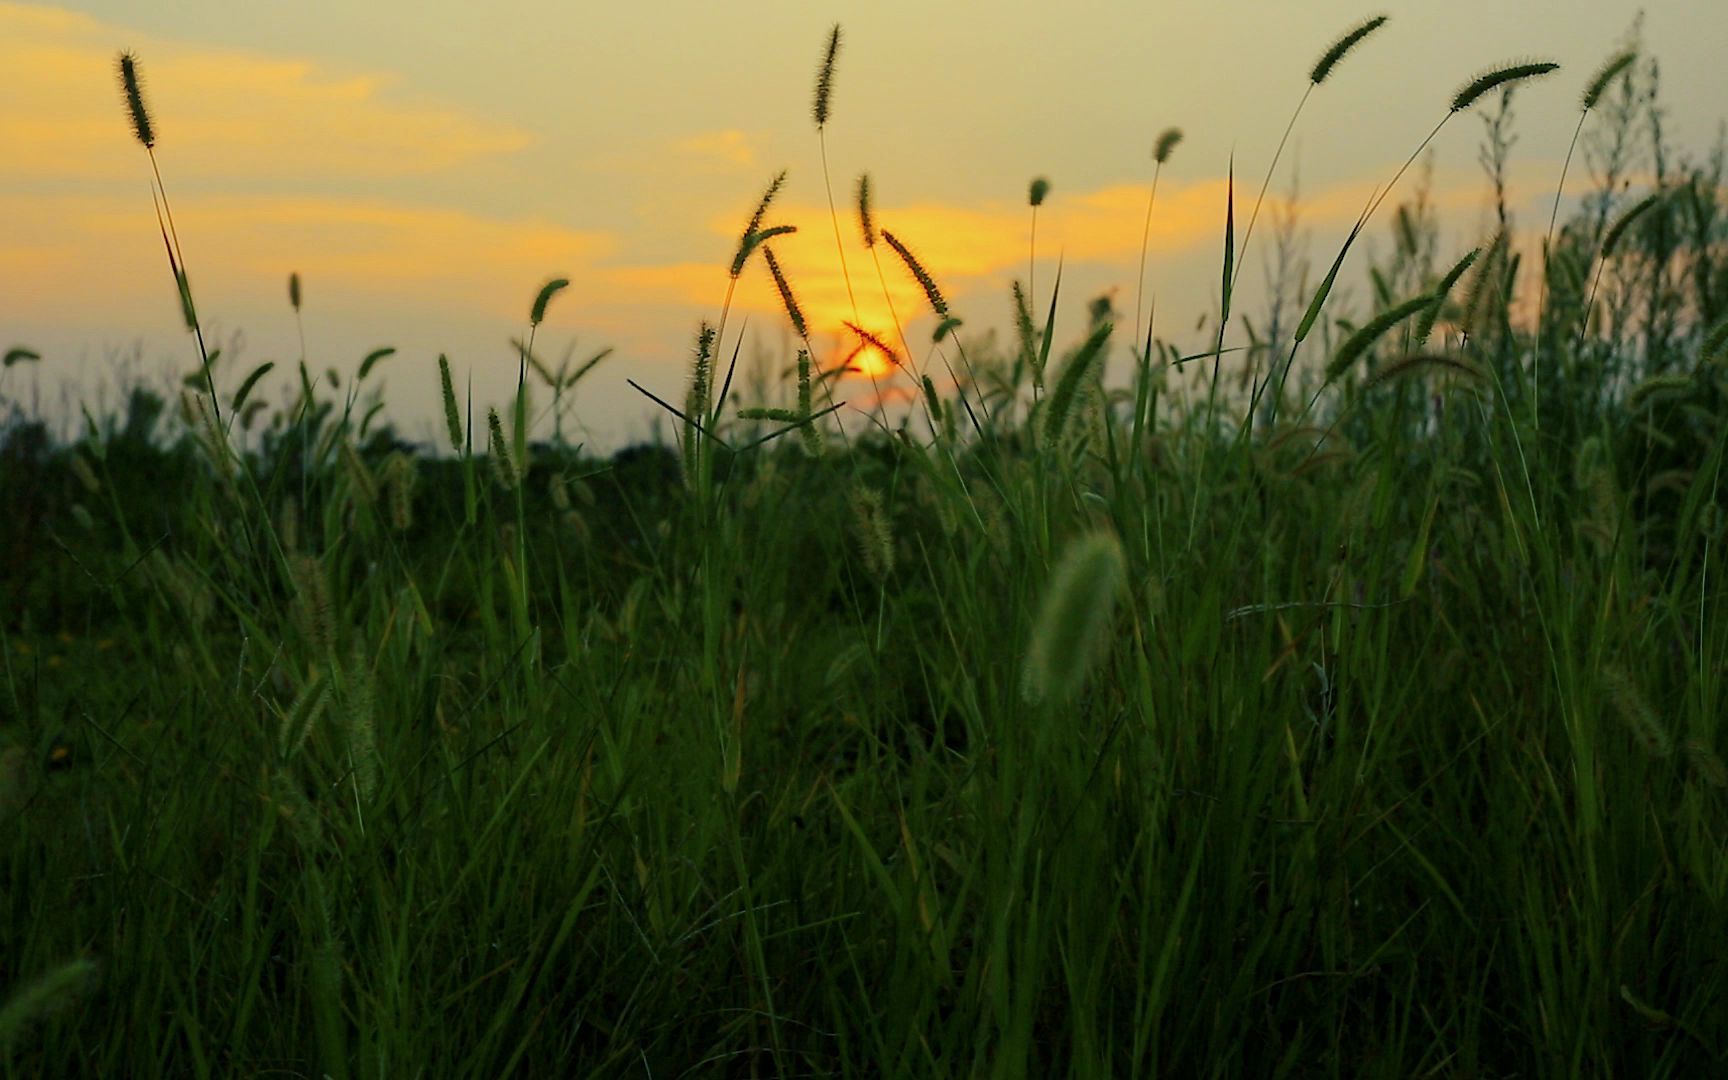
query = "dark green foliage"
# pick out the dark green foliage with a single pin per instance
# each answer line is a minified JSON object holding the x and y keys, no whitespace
{"x":1383,"y":739}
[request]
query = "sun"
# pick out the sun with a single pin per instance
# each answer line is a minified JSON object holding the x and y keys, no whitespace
{"x":870,"y":362}
{"x":867,"y":353}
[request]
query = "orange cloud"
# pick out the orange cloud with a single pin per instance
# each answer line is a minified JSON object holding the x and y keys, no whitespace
{"x":220,"y":113}
{"x":246,"y":246}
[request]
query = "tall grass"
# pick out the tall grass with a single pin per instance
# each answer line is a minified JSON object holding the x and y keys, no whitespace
{"x":1381,"y":736}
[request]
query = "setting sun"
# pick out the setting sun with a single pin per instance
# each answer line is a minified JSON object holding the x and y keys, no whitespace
{"x":870,"y":362}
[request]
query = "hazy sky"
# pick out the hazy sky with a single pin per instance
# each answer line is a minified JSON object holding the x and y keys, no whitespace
{"x":425,"y":167}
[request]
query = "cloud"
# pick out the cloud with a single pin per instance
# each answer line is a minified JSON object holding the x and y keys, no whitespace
{"x":967,"y":249}
{"x":717,"y":151}
{"x":244,"y":246}
{"x":220,"y":113}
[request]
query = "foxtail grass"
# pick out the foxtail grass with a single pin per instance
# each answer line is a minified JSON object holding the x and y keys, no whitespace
{"x":1610,"y":241}
{"x":1073,"y":623}
{"x":1161,"y":151}
{"x":144,"y":129}
{"x":1036,"y":192}
{"x":1358,"y":343}
{"x":1322,"y":70}
{"x":1443,"y":290}
{"x":1497,"y":78}
{"x":874,"y":532}
{"x":1616,"y":66}
{"x":821,"y":108}
{"x":50,"y":992}
{"x":498,"y":447}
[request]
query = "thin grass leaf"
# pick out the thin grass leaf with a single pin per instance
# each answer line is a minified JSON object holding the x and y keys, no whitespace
{"x":1319,"y":299}
{"x":1229,"y":247}
{"x":188,"y":311}
{"x":588,"y":365}
{"x":249,"y":382}
{"x":1043,"y":359}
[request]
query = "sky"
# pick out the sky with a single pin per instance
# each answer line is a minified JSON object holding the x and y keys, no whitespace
{"x":425,"y":168}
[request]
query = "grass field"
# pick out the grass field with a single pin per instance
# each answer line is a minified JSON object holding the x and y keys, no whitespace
{"x":1345,"y":699}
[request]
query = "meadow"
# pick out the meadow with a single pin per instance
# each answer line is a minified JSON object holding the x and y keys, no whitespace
{"x":1341,"y":696}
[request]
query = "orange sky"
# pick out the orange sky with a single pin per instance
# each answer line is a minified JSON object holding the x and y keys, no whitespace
{"x":426,"y":167}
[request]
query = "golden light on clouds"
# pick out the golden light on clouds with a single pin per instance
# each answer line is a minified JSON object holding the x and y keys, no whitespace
{"x":354,"y":247}
{"x":428,"y":206}
{"x":261,"y":125}
{"x":968,"y":250}
{"x":221,"y":113}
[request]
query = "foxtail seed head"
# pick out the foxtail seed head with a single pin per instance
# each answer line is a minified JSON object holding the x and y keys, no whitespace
{"x":1616,"y":65}
{"x":752,"y":235}
{"x":793,"y":311}
{"x":825,"y":78}
{"x":866,"y":222}
{"x":537,"y":313}
{"x":1330,"y":58}
{"x":452,"y":415}
{"x":130,"y":86}
{"x":1625,"y":220}
{"x":1074,"y":621}
{"x":1373,"y":330}
{"x":873,"y":341}
{"x":1166,"y":143}
{"x":916,"y":269}
{"x":1039,"y":188}
{"x":502,"y":466}
{"x":1641,"y":719}
{"x":312,"y":605}
{"x":875,"y":533}
{"x":1472,"y":91}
